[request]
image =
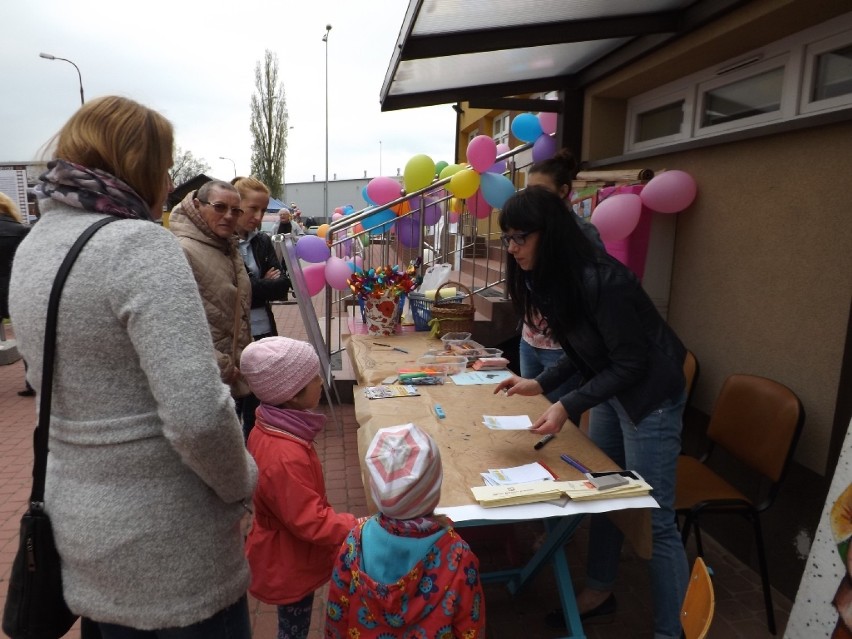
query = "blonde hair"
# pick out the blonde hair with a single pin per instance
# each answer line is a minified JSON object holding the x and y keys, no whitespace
{"x":123,"y":138}
{"x":8,"y":207}
{"x":245,"y":185}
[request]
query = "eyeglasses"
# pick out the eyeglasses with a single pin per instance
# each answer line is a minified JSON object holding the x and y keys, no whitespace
{"x":518,"y":238}
{"x":221,"y":208}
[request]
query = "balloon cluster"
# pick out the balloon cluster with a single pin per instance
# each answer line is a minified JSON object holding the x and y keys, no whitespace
{"x":378,"y":282}
{"x":618,"y":212}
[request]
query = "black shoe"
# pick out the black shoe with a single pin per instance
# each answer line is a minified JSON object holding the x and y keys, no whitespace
{"x":27,"y":392}
{"x":600,"y":614}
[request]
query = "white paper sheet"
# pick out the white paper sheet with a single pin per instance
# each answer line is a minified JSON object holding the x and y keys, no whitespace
{"x":519,"y":512}
{"x":507,"y":422}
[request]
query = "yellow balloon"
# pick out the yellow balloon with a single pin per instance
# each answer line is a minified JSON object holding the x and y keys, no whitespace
{"x":455,"y":205}
{"x":322,"y":230}
{"x":464,"y":183}
{"x":450,"y":169}
{"x":419,"y":173}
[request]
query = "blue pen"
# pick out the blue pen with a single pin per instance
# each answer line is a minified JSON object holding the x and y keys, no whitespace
{"x":573,"y":462}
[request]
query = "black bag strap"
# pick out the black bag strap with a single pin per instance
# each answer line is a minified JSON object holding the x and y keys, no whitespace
{"x":40,"y":435}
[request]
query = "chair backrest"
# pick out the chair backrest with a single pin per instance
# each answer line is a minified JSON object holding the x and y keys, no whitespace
{"x":758,"y":421}
{"x":696,"y":614}
{"x":690,"y":372}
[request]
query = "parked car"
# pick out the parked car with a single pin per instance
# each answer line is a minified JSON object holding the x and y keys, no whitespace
{"x":269,"y":223}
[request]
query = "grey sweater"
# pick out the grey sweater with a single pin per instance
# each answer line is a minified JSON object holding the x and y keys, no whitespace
{"x":147,"y":467}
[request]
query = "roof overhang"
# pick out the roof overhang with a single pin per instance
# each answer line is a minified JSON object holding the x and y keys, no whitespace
{"x":450,"y":52}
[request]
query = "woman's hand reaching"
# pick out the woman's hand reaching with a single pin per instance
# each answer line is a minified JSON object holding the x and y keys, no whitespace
{"x":518,"y":386}
{"x":550,"y":421}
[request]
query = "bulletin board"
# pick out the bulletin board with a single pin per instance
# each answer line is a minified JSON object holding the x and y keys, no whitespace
{"x":285,"y":247}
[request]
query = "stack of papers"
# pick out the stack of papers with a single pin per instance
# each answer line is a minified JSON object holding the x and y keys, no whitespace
{"x":531,"y":492}
{"x":517,"y":475}
{"x":386,"y":391}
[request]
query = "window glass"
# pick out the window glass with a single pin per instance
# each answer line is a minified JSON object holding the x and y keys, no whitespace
{"x":755,"y":95}
{"x":833,"y":74}
{"x":659,"y":122}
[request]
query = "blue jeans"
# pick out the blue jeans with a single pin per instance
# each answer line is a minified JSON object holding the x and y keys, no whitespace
{"x":536,"y":360}
{"x":651,"y":448}
{"x":229,"y":623}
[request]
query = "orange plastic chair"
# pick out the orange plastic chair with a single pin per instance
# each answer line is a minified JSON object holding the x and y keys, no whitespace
{"x":758,"y":421}
{"x":696,"y":614}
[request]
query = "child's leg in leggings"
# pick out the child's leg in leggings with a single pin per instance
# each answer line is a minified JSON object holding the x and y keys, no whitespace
{"x":294,"y":620}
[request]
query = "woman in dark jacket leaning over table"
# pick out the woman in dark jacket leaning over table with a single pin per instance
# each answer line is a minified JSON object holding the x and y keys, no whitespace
{"x":631,"y":366}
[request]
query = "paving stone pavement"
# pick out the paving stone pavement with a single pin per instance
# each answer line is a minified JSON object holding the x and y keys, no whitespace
{"x":739,"y":604}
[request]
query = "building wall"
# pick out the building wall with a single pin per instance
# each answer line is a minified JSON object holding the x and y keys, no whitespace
{"x":309,"y":196}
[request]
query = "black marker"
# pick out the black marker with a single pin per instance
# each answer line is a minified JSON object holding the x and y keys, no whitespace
{"x":541,"y":442}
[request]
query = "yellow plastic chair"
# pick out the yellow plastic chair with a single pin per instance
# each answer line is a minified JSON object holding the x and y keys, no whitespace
{"x":699,"y":603}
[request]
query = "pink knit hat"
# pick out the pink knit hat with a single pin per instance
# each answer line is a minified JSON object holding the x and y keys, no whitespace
{"x":405,"y":472}
{"x":277,"y":368}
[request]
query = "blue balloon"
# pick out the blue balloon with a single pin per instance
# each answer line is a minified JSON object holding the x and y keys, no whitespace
{"x":366,"y":197}
{"x":526,"y":127}
{"x":496,"y":189}
{"x":382,"y":221}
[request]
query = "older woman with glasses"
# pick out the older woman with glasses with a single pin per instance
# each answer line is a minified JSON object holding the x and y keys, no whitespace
{"x":630,"y":368}
{"x":205,"y":223}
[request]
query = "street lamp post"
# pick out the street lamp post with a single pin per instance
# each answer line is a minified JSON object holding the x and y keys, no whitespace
{"x":222,"y":157}
{"x":380,"y":157}
{"x":47,"y":56}
{"x":325,"y":186}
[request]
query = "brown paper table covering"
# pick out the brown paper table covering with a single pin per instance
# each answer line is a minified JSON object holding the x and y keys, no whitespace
{"x":467,"y":446}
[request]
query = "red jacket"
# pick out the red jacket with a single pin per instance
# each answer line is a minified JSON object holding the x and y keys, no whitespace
{"x":296,"y":533}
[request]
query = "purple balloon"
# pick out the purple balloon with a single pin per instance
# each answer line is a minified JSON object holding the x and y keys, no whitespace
{"x":312,"y":248}
{"x":408,"y":231}
{"x":544,"y":148}
{"x":431,"y":210}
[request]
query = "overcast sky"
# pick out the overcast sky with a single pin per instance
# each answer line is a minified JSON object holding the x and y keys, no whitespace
{"x":194,"y":62}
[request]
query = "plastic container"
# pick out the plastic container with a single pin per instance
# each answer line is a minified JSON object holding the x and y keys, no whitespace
{"x":449,"y":364}
{"x":454,"y":338}
{"x":471,"y":354}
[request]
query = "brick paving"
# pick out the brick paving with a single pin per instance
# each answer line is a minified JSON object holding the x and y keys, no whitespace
{"x":739,"y":604}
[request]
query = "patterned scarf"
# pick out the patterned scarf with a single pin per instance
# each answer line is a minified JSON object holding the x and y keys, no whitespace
{"x":91,"y":190}
{"x":418,"y":527}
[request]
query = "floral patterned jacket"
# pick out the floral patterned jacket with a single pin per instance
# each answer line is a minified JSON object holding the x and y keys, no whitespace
{"x":439,"y":598}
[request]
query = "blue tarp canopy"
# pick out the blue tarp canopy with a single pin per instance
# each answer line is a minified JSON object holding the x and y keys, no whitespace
{"x":275,"y":205}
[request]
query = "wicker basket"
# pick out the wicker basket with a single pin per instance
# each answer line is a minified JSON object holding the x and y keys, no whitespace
{"x":421,"y":308}
{"x":455,"y":316}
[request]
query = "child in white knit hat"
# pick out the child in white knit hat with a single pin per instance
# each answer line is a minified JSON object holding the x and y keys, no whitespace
{"x":405,"y":572}
{"x":296,"y":533}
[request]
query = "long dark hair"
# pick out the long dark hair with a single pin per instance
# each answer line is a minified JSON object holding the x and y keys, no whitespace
{"x":554,"y":286}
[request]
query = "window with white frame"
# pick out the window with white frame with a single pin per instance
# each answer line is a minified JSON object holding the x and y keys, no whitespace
{"x":796,"y":77}
{"x":501,"y":128}
{"x":472,"y":135}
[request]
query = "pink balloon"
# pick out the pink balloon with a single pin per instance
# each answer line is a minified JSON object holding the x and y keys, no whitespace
{"x":336,"y":216}
{"x":453,"y":217}
{"x":383,"y":190}
{"x":544,"y":148}
{"x":617,"y":216}
{"x":547,"y":120}
{"x":481,"y":153}
{"x":314,"y":278}
{"x":478,"y":207}
{"x":336,"y":273}
{"x":669,"y":192}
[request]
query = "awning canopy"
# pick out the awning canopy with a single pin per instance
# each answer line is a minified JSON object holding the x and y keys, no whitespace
{"x":450,"y":51}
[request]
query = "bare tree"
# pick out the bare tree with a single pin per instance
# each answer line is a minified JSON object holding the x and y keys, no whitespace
{"x":186,"y":166}
{"x":268,"y":124}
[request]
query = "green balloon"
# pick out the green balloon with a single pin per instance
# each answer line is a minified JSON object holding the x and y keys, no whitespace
{"x":440,"y":166}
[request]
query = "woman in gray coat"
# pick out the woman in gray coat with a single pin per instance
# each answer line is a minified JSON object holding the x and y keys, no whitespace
{"x":147,"y":478}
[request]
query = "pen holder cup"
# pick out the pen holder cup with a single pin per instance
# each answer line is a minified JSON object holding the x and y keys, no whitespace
{"x":381,"y":314}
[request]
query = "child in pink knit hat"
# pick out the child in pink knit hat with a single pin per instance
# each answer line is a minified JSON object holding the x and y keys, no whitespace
{"x":405,"y":572}
{"x":296,"y":533}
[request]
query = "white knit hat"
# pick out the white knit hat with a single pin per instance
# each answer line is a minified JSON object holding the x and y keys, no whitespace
{"x":277,"y":368}
{"x":405,"y":472}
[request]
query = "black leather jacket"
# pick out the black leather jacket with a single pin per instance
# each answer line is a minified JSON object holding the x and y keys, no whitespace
{"x":12,"y":233}
{"x":622,"y":348}
{"x":263,"y":290}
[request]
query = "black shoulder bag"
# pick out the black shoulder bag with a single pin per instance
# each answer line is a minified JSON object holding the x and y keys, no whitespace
{"x":35,"y":606}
